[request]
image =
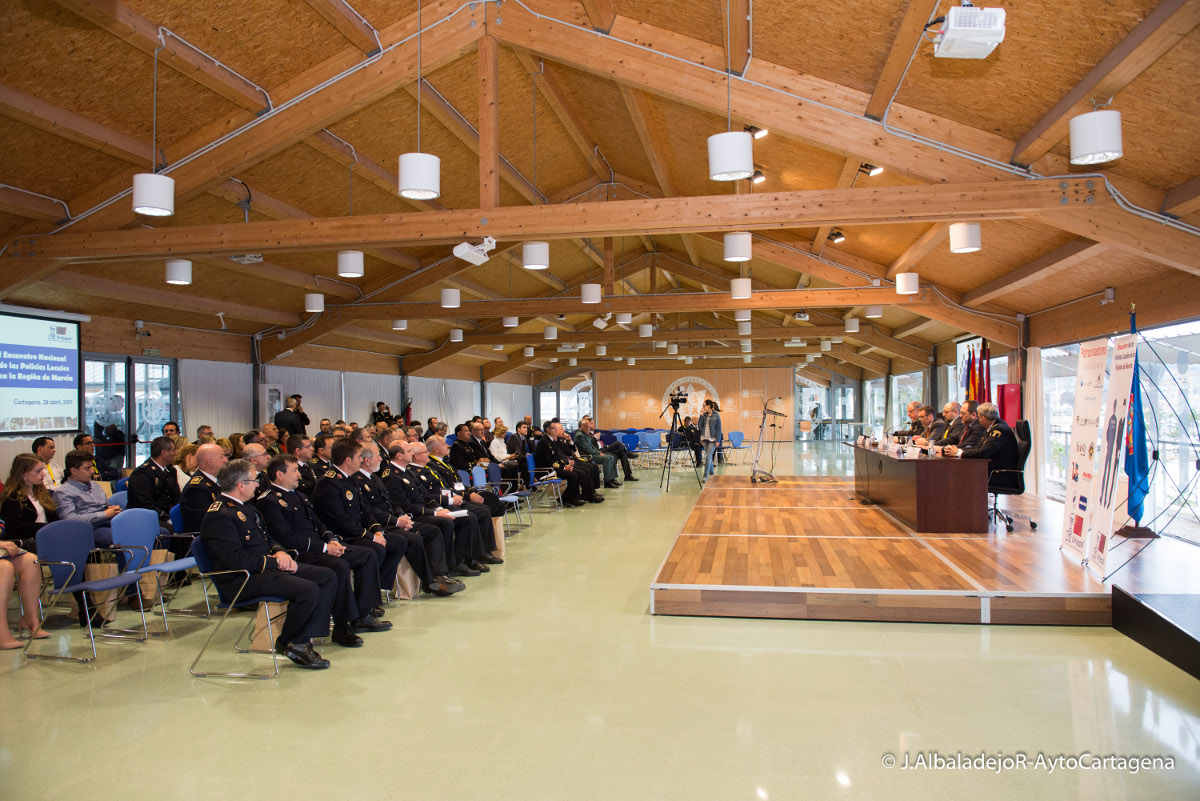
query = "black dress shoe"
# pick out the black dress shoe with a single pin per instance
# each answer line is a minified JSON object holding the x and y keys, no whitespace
{"x":303,"y":655}
{"x":478,"y":566}
{"x":612,"y":484}
{"x":443,"y":586}
{"x":630,"y":478}
{"x":488,"y":559}
{"x":597,"y":498}
{"x":377,"y":612}
{"x":573,"y":503}
{"x":463,"y":569}
{"x":343,"y":636}
{"x":370,"y":624}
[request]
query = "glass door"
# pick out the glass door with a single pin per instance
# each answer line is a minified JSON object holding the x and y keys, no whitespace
{"x":153,"y":402}
{"x":126,"y":401}
{"x":104,"y":412}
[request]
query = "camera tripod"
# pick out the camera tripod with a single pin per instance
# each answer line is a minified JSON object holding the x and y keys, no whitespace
{"x":676,"y":427}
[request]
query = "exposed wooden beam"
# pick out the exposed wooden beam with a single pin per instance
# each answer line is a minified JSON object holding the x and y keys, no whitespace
{"x":815,"y":376}
{"x":737,"y":25}
{"x":348,"y":23}
{"x":165,"y":298}
{"x":514,"y":361}
{"x":31,"y":206}
{"x":489,"y":123}
{"x":912,"y":28}
{"x":1039,"y":269}
{"x":997,"y":330}
{"x":267,"y":271}
{"x":880,"y":205}
{"x":600,"y":13}
{"x":933,"y":236}
{"x":886,"y":344}
{"x":845,"y":180}
{"x":1162,"y":29}
{"x":73,"y":127}
{"x":387,"y":337}
{"x":638,"y":107}
{"x":1165,"y":299}
{"x":1183,"y":199}
{"x":329,"y":145}
{"x":913,"y":328}
{"x":177,"y":54}
{"x":609,"y":267}
{"x":564,"y":371}
{"x":552,"y":92}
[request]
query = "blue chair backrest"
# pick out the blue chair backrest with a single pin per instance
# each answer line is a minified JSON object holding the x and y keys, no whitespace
{"x":136,"y":527}
{"x":530,"y":464}
{"x":464,"y":477}
{"x":450,"y":438}
{"x":203,"y":563}
{"x":607,"y":439}
{"x":631,"y":431}
{"x":177,"y":518}
{"x":735,"y":438}
{"x":649,"y":439}
{"x":493,"y":473}
{"x":479,"y":476}
{"x":119,"y":499}
{"x":631,"y":441}
{"x":65,"y":541}
{"x":121,"y":484}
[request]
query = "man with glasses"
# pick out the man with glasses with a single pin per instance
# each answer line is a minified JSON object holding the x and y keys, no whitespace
{"x":233,"y":536}
{"x":101,"y":470}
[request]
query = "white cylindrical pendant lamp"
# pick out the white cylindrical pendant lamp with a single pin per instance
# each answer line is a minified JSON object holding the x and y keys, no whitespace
{"x":746,"y":359}
{"x":632,"y":361}
{"x":314,"y":302}
{"x":573,"y":362}
{"x":550,"y":332}
{"x":745,"y":328}
{"x":738,"y":246}
{"x":179,"y":272}
{"x":673,"y":349}
{"x":624,"y":318}
{"x":350,"y":263}
{"x":687,"y":359}
{"x":602,"y":350}
{"x":739,"y":288}
{"x":510,"y":322}
{"x":535,"y":255}
{"x":399,"y":325}
{"x":451,"y":298}
{"x":456,"y":335}
{"x":742,"y":315}
{"x":153,"y":194}
{"x":812,"y":357}
{"x":528,"y":352}
{"x":589,"y":293}
{"x":965,"y":237}
{"x":420,"y":176}
{"x":907,"y":284}
{"x":873,"y":312}
{"x":730,"y":156}
{"x":1096,"y":137}
{"x":497,"y":347}
{"x":747,"y":347}
{"x":554,"y":360}
{"x":826,"y":345}
{"x":852,"y":325}
{"x":645,"y":330}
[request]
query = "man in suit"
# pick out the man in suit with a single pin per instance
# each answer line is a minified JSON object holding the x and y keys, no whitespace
{"x":586,"y":445}
{"x":290,"y":520}
{"x":914,"y":427}
{"x":288,"y":420}
{"x":202,"y":488}
{"x":153,"y":484}
{"x":934,"y":427}
{"x":439,"y":478}
{"x":972,"y":431}
{"x":998,"y":446}
{"x":233,"y":536}
{"x":952,"y":414}
{"x":556,"y":453}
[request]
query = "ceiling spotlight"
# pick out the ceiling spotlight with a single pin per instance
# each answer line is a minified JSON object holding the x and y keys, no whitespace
{"x":836,"y":237}
{"x":907,"y":284}
{"x":528,"y":352}
{"x":456,"y":335}
{"x":1095,"y":137}
{"x":965,"y":237}
{"x":730,"y":156}
{"x":737,"y":246}
{"x":350,"y":264}
{"x":624,"y":318}
{"x":550,"y":332}
{"x":179,"y":272}
{"x":758,"y":177}
{"x":873,"y":312}
{"x":757,"y":133}
{"x":800,"y":316}
{"x":510,"y":322}
{"x":314,"y":302}
{"x":870,"y":169}
{"x":399,"y":325}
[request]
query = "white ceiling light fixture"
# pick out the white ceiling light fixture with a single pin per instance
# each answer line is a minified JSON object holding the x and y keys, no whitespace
{"x":550,"y":332}
{"x":826,"y":346}
{"x":738,"y":246}
{"x":873,"y":312}
{"x":907,"y":284}
{"x":451,"y":298}
{"x":747,"y":347}
{"x":687,"y":359}
{"x":740,"y":288}
{"x":742,"y":315}
{"x":510,"y":322}
{"x":660,"y":344}
{"x":420,"y":173}
{"x":350,"y":264}
{"x":645,"y":330}
{"x":624,"y":318}
{"x":745,"y":328}
{"x":747,"y":358}
{"x":314,"y":302}
{"x":535,"y":255}
{"x":456,"y":335}
{"x":528,"y":352}
{"x":153,"y":194}
{"x":497,"y":347}
{"x":852,"y":325}
{"x":836,"y":340}
{"x":601,"y":350}
{"x":573,"y":362}
{"x":399,"y":325}
{"x":965,"y":237}
{"x":673,"y":349}
{"x":812,"y":357}
{"x":554,"y":360}
{"x":730,"y":156}
{"x":1096,"y":137}
{"x":179,"y":272}
{"x":632,"y":361}
{"x":590,"y":293}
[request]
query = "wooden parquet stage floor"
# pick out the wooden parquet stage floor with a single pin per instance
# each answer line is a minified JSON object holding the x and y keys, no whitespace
{"x":805,"y":549}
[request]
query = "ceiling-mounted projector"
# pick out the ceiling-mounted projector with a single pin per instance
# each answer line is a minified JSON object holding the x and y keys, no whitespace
{"x":970,"y":32}
{"x":247,"y":258}
{"x":475,"y":254}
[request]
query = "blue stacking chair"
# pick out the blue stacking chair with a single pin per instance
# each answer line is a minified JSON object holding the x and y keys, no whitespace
{"x":228,"y":603}
{"x":119,"y":499}
{"x":546,"y":482}
{"x":450,"y":438}
{"x":139,"y":528}
{"x":735,"y":442}
{"x":121,"y":484}
{"x":651,"y":444}
{"x":509,"y":492}
{"x":64,"y":546}
{"x":176,"y":515}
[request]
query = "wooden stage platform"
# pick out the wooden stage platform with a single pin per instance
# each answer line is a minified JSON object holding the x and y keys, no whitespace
{"x":805,"y":549}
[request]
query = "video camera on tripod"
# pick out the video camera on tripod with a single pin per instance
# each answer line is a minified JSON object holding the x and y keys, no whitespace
{"x":677,"y":398}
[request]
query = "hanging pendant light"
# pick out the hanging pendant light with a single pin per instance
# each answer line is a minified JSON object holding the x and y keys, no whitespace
{"x":528,"y":352}
{"x":456,"y":335}
{"x":451,"y":298}
{"x":965,"y":237}
{"x":742,"y":315}
{"x":314,"y":302}
{"x":153,"y":194}
{"x":907,"y":284}
{"x":738,"y":246}
{"x":673,"y":349}
{"x":631,"y":362}
{"x":624,"y":318}
{"x":554,"y":360}
{"x":179,"y":272}
{"x":350,"y":263}
{"x":739,"y":288}
{"x":730,"y":156}
{"x":826,"y":346}
{"x":747,"y":358}
{"x":873,"y":312}
{"x":399,"y":325}
{"x":852,"y":325}
{"x":550,"y":332}
{"x":535,"y":255}
{"x":601,"y":350}
{"x":573,"y":362}
{"x":645,"y":330}
{"x":510,"y":322}
{"x":497,"y":347}
{"x":590,"y":293}
{"x":1096,"y":137}
{"x":420,"y":173}
{"x":812,"y":357}
{"x":687,"y":359}
{"x":745,"y":328}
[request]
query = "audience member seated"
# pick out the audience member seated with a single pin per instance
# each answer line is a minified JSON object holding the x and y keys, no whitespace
{"x":271,"y":439}
{"x":153,"y":485}
{"x":233,"y":535}
{"x":291,"y":520}
{"x":101,"y":470}
{"x":170,"y":429}
{"x":587,"y":447}
{"x":202,"y":488}
{"x":235,"y":441}
{"x":26,"y":503}
{"x":326,"y":426}
{"x":556,"y":453}
{"x":44,"y":448}
{"x":467,"y":450}
{"x":691,"y":439}
{"x":256,"y":454}
{"x":185,"y":463}
{"x":201,"y":433}
{"x":302,"y":448}
{"x":616,"y":448}
{"x":19,"y":568}
{"x":439,"y":478}
{"x":79,"y":498}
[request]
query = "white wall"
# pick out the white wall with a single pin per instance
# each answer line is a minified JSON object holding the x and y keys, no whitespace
{"x":11,"y":446}
{"x":509,"y":401}
{"x":450,"y":400}
{"x":322,"y":391}
{"x":217,"y":394}
{"x":364,"y":390}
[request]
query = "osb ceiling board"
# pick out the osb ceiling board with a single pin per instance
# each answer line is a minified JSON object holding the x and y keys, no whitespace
{"x":49,"y":296}
{"x":881,"y":244}
{"x":203,"y":209}
{"x":1112,"y":268}
{"x":1007,"y":245}
{"x":814,"y":37}
{"x":703,"y":20}
{"x":50,"y":53}
{"x":42,"y":162}
{"x":207,"y":282}
{"x":10,"y":224}
{"x":1049,"y":45}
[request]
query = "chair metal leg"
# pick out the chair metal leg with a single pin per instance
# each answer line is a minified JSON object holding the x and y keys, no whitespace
{"x":56,"y":657}
{"x":221,"y":622}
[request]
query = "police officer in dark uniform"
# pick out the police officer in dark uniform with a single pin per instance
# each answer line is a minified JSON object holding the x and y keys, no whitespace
{"x":559,"y":455}
{"x":426,"y":549}
{"x":999,"y":447}
{"x":302,"y":449}
{"x":322,"y":453}
{"x":425,"y":487}
{"x":487,"y":508}
{"x":466,"y":452}
{"x":202,"y":488}
{"x":234,"y":538}
{"x":153,"y":484}
{"x":291,"y":521}
{"x":340,"y":504}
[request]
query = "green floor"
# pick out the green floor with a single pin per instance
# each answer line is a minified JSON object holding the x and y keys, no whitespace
{"x":548,"y":679}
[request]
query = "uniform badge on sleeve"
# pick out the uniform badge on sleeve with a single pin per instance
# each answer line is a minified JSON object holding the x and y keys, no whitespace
{"x":241,"y":517}
{"x":195,"y":480}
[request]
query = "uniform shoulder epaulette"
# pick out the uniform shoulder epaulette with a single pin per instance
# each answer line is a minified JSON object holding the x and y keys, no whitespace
{"x":385,"y":472}
{"x":312,"y":461}
{"x":330,"y":474}
{"x":215,"y":506}
{"x":263,"y":495}
{"x":195,"y":480}
{"x":996,"y":433}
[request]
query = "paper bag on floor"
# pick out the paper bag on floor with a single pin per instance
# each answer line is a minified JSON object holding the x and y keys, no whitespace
{"x":262,"y":640}
{"x":151,"y":581}
{"x":498,"y":529}
{"x":408,"y":586}
{"x":106,"y":601}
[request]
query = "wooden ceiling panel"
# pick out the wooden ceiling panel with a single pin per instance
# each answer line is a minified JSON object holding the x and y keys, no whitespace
{"x":42,"y":162}
{"x":1007,"y":244}
{"x":55,"y":56}
{"x":881,"y":244}
{"x":1112,"y":268}
{"x":1010,"y":90}
{"x":702,"y":20}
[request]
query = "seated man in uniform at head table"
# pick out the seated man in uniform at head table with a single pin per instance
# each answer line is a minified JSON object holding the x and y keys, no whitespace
{"x":234,"y":537}
{"x":998,"y":446}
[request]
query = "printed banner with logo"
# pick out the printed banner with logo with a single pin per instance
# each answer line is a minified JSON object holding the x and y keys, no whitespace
{"x":635,"y":398}
{"x":1113,"y":422}
{"x":1081,"y":454}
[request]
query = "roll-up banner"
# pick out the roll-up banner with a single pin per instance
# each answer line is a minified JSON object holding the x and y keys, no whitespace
{"x":1113,"y":422}
{"x":1081,"y":455}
